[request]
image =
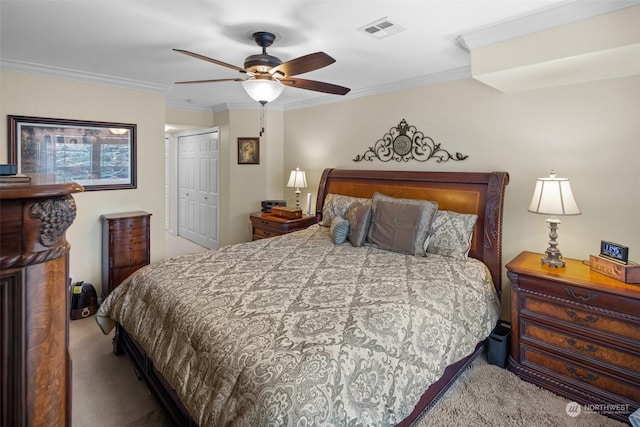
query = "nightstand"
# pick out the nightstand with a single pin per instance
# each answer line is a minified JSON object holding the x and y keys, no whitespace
{"x":576,"y":333}
{"x":265,"y":225}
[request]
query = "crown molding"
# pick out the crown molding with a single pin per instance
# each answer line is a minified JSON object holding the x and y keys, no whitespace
{"x":83,"y":76}
{"x":187,"y":106}
{"x":554,"y":16}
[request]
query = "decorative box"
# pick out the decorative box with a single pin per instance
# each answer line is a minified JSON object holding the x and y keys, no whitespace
{"x":628,"y":273}
{"x":286,"y":212}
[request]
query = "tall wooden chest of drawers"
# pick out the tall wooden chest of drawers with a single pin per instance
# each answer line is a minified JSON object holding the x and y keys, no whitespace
{"x":125,"y":246}
{"x":576,"y":332}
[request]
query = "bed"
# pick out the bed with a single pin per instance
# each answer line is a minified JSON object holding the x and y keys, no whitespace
{"x":304,"y":329}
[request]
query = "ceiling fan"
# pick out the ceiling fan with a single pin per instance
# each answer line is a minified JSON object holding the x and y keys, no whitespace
{"x":267,"y":74}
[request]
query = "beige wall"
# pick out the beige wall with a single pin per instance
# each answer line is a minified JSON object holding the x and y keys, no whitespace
{"x":588,"y":132}
{"x":186,"y":119}
{"x":245,"y":186}
{"x":30,"y":95}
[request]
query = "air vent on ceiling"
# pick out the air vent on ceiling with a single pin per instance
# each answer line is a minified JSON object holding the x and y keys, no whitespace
{"x":382,"y":28}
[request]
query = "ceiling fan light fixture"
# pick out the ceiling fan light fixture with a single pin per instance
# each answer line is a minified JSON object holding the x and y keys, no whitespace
{"x":263,"y":90}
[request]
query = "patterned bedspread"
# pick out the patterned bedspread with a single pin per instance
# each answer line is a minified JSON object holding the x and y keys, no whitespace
{"x":297,"y":331}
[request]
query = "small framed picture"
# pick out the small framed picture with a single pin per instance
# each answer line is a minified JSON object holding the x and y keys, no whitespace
{"x":249,"y":151}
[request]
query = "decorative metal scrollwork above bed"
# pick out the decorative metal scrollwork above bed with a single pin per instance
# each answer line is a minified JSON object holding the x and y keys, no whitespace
{"x":405,"y":142}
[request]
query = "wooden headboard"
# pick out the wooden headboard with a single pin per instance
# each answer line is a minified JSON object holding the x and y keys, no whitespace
{"x":481,"y":193}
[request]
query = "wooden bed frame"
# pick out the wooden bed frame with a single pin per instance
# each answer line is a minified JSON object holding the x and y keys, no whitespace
{"x":466,"y":192}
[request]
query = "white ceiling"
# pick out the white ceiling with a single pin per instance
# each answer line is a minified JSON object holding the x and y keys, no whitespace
{"x":129,"y":42}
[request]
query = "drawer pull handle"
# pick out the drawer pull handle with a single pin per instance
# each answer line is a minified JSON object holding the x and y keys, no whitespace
{"x":588,"y":348}
{"x":589,"y":377}
{"x":590,"y":295}
{"x":586,"y":319}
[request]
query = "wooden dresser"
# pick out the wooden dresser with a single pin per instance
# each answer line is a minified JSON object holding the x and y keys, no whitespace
{"x":265,"y":225}
{"x":35,"y":373}
{"x":576,"y":332}
{"x":126,"y":246}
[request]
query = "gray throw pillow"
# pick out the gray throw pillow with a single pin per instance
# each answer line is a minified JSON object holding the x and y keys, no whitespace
{"x":359,"y":216}
{"x":339,"y":229}
{"x":401,"y":225}
{"x":451,"y":234}
{"x":337,"y":205}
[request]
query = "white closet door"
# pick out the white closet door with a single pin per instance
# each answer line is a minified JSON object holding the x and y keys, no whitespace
{"x":198,"y":188}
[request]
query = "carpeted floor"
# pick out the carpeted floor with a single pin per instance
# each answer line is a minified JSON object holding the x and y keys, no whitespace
{"x":486,"y":395}
{"x":106,"y":393}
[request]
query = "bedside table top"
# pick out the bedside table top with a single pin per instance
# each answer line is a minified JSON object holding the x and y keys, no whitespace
{"x":575,"y":272}
{"x":280,"y":218}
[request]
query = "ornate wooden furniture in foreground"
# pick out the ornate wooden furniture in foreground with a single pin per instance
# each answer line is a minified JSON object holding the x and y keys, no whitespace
{"x":126,"y":246}
{"x":576,"y":332}
{"x":35,"y":373}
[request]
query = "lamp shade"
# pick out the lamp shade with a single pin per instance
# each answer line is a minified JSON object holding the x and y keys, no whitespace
{"x":553,"y":196}
{"x":263,"y":90}
{"x":297,"y":179}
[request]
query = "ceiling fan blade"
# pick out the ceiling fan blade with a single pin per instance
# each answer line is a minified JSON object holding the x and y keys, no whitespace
{"x":303,"y":64}
{"x":314,"y":85}
{"x":211,"y":81}
{"x":215,"y":61}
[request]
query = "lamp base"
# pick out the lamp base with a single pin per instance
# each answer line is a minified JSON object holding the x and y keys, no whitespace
{"x":553,"y":257}
{"x":297,"y":198}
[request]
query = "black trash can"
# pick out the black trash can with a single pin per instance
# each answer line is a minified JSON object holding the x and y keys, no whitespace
{"x":499,"y":344}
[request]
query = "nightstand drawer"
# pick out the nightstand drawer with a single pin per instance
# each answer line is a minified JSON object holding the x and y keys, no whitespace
{"x":265,"y":223}
{"x":261,"y":233}
{"x":579,"y":295}
{"x":573,"y":315}
{"x":576,"y":373}
{"x":591,"y":351}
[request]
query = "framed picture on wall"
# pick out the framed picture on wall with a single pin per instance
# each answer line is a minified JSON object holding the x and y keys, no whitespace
{"x":96,"y":155}
{"x":249,"y":151}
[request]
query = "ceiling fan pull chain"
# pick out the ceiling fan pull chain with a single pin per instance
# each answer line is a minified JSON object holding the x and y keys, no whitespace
{"x":262,"y":104}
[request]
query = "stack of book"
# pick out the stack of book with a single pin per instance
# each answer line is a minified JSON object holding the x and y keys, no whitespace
{"x":14,"y":180}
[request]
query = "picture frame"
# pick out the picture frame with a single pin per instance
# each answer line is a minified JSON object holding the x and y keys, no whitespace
{"x":96,"y":155}
{"x":249,"y":151}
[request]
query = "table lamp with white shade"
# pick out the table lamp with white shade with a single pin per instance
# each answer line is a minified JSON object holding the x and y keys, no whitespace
{"x":553,"y":196}
{"x":297,"y":180}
